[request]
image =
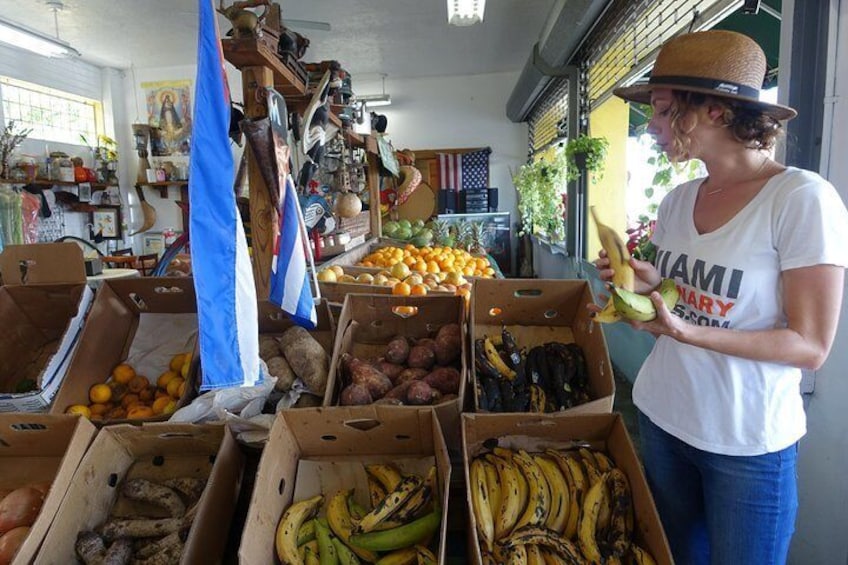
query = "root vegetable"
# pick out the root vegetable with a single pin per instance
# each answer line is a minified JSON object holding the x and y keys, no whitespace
{"x":448,"y":346}
{"x":420,"y":393}
{"x":307,"y":358}
{"x":20,"y":508}
{"x":355,"y":395}
{"x":365,"y":374}
{"x":444,"y":379}
{"x":142,"y":528}
{"x":411,"y":375}
{"x":160,"y":545}
{"x":119,"y":553}
{"x":278,"y":367}
{"x":90,"y":547}
{"x":397,"y":350}
{"x":268,"y":347}
{"x":427,"y":342}
{"x":189,"y":487}
{"x":160,"y":495}
{"x":399,"y":392}
{"x":169,"y":555}
{"x":391,"y":370}
{"x":421,"y":357}
{"x":11,"y":542}
{"x":389,"y":401}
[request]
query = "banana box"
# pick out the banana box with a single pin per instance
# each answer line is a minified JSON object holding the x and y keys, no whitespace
{"x":198,"y":466}
{"x":534,"y":348}
{"x":42,"y":452}
{"x":314,"y":464}
{"x":577,"y":469}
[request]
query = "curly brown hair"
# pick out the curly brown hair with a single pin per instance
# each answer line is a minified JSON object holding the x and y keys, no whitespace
{"x":747,"y":123}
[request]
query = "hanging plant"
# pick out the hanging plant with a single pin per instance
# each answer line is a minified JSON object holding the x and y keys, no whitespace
{"x":592,"y":150}
{"x":10,"y":139}
{"x":539,"y":185}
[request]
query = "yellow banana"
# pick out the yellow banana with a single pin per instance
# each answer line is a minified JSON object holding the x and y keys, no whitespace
{"x":506,"y":455}
{"x":609,"y":315}
{"x":376,"y":492}
{"x":538,"y":399}
{"x":619,"y":256}
{"x":386,"y":474}
{"x":493,"y":483}
{"x":338,"y":516}
{"x":535,"y":535}
{"x":405,"y":556}
{"x":515,"y":555}
{"x":511,"y":502}
{"x":603,"y":461}
{"x":640,"y":556}
{"x":620,"y":528}
{"x":310,"y":557}
{"x":480,"y":503}
{"x":425,"y":556}
{"x":639,"y":307}
{"x":587,"y":528}
{"x":393,"y":501}
{"x":573,"y":473}
{"x":495,"y":359}
{"x":534,"y":555}
{"x":293,"y":518}
{"x":538,"y":491}
{"x":560,"y":494}
{"x":590,"y":465}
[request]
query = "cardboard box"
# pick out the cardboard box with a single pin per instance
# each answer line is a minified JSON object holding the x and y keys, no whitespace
{"x":143,"y":321}
{"x":541,"y":431}
{"x":538,"y":311}
{"x":40,"y":448}
{"x":155,"y":452}
{"x":368,"y":322}
{"x":42,"y":309}
{"x":273,"y":321}
{"x":316,"y":450}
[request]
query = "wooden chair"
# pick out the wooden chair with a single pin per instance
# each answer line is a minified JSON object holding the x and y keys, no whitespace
{"x":144,"y":264}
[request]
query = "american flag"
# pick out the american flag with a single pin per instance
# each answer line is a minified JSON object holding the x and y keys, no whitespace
{"x":223,"y":277}
{"x":459,"y":171}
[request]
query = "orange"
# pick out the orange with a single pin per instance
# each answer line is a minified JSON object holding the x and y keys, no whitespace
{"x":160,"y":394}
{"x":186,"y":366}
{"x":418,"y":290}
{"x":176,"y":362}
{"x":99,"y":409}
{"x":164,"y":405}
{"x":401,"y":289}
{"x":79,"y":410}
{"x":123,"y":373}
{"x":100,"y":393}
{"x":174,"y":386}
{"x":117,"y":413}
{"x":182,"y":390}
{"x":139,"y":412}
{"x":165,"y":378}
{"x":96,"y":417}
{"x":147,"y":394}
{"x":129,"y":400}
{"x":138,"y":384}
{"x":400,"y":270}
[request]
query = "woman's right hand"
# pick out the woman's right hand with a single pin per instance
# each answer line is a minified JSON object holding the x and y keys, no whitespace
{"x":647,"y":276}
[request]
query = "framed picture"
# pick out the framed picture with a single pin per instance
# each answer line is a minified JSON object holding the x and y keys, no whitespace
{"x":153,"y":242}
{"x":106,"y":222}
{"x":84,"y":192}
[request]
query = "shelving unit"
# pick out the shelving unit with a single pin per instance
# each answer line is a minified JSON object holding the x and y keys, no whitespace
{"x":44,"y":182}
{"x":162,"y":187}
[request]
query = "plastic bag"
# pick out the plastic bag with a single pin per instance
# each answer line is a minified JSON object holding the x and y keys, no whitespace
{"x":30,"y":206}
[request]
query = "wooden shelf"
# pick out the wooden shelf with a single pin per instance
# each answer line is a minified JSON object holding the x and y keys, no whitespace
{"x":43,"y":182}
{"x":248,"y":52}
{"x":162,"y":187}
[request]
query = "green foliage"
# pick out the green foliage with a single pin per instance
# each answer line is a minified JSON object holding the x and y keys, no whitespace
{"x":539,"y":185}
{"x":595,"y":150}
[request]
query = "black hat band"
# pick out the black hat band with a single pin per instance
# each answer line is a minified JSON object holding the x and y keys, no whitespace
{"x":718,"y":86}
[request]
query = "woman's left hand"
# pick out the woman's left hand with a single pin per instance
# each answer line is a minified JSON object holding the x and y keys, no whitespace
{"x":665,"y":323}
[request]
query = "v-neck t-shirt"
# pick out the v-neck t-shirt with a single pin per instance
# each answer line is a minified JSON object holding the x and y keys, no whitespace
{"x":730,"y":278}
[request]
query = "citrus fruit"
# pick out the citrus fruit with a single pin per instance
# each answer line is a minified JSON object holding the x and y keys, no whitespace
{"x":176,"y":362}
{"x":165,"y":378}
{"x":100,"y":393}
{"x":79,"y":410}
{"x":418,"y":290}
{"x":99,"y":409}
{"x":138,"y":384}
{"x":338,"y":270}
{"x":174,"y":386}
{"x":401,"y":289}
{"x":139,"y":412}
{"x":164,"y":405}
{"x":123,"y":373}
{"x":327,"y":275}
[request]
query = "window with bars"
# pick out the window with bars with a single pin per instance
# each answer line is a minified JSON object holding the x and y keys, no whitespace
{"x":52,"y":115}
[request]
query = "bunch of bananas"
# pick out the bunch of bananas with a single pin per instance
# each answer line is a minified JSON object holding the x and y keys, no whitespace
{"x":398,"y":529}
{"x":554,"y":506}
{"x":546,"y":378}
{"x":624,"y":303}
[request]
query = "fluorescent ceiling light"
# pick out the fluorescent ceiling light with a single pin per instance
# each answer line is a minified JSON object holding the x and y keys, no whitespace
{"x":374,"y":100}
{"x":23,"y":37}
{"x":465,"y":12}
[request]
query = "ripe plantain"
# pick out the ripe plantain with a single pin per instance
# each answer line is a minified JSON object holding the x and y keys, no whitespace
{"x":425,"y":556}
{"x":620,"y":528}
{"x":560,"y":494}
{"x":617,"y":253}
{"x":538,"y":399}
{"x":534,"y":555}
{"x":573,"y":473}
{"x":387,"y":475}
{"x":493,"y":483}
{"x":588,"y":526}
{"x":294,"y":516}
{"x":495,"y":359}
{"x":511,"y":502}
{"x":376,"y":492}
{"x":393,"y":501}
{"x":480,"y":503}
{"x":564,"y":549}
{"x":640,"y":556}
{"x":405,"y":556}
{"x":339,"y":518}
{"x":590,"y":465}
{"x":639,"y":307}
{"x":507,"y":455}
{"x":603,"y":461}
{"x":538,"y":491}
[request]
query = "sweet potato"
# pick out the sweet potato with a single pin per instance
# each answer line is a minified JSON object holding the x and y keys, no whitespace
{"x":427,"y":342}
{"x":444,"y":379}
{"x":391,"y":370}
{"x":411,"y":375}
{"x":421,"y":357}
{"x":448,"y":344}
{"x":278,"y":367}
{"x":355,"y":395}
{"x":20,"y":508}
{"x":420,"y":393}
{"x":11,"y":542}
{"x":399,"y":392}
{"x":389,"y":401}
{"x":160,"y":495}
{"x":397,"y":350}
{"x":366,"y":374}
{"x":307,"y":358}
{"x":269,"y":347}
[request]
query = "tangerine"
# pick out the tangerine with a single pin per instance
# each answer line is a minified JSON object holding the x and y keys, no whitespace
{"x":401,"y":289}
{"x":176,"y":362}
{"x":123,"y":373}
{"x":418,"y":290}
{"x":138,"y":384}
{"x":139,"y":412}
{"x":164,"y":405}
{"x":79,"y":410}
{"x":167,"y":376}
{"x":174,"y":386}
{"x":100,"y":393}
{"x":129,"y":400}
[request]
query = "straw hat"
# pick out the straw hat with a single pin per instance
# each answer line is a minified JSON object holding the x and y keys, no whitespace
{"x":715,"y":62}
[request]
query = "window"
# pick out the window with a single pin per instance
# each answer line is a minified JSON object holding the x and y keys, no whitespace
{"x":53,"y":115}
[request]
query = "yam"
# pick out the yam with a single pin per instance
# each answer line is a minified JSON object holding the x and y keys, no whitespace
{"x":420,"y":393}
{"x":427,"y":342}
{"x":278,"y":367}
{"x":397,"y":350}
{"x":421,"y":357}
{"x":448,"y":345}
{"x":168,"y":555}
{"x":162,"y":544}
{"x":119,"y":553}
{"x":20,"y":508}
{"x":366,"y":374}
{"x":189,"y":487}
{"x":307,"y":358}
{"x":355,"y":395}
{"x":269,"y":347}
{"x":391,"y":370}
{"x":398,"y":392}
{"x":140,"y":528}
{"x":411,"y":375}
{"x":11,"y":542}
{"x":389,"y":401}
{"x":444,"y":379}
{"x":90,"y":548}
{"x":160,"y":495}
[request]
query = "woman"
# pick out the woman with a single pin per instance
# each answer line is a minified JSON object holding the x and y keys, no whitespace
{"x":757,"y":250}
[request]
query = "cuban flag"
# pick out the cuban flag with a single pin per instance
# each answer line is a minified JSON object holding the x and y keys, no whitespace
{"x":290,"y":288}
{"x":223,"y":276}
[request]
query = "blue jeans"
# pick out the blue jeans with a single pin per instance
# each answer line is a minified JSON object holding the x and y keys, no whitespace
{"x":721,"y":509}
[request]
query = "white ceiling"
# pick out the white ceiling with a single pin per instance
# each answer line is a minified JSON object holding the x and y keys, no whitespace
{"x":401,"y":38}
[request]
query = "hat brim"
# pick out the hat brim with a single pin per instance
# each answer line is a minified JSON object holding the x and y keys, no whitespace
{"x":642,"y":93}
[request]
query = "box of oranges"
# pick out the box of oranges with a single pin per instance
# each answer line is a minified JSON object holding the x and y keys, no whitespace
{"x":136,"y":359}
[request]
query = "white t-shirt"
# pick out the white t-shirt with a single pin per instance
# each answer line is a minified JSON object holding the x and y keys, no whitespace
{"x":730,"y":278}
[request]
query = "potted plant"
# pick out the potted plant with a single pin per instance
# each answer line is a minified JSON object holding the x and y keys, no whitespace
{"x":11,"y":137}
{"x":585,"y":153}
{"x":540,"y":206}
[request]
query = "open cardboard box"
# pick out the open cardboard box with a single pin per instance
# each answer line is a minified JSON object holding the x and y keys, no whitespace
{"x":156,"y":452}
{"x":368,"y":322}
{"x":538,"y":311}
{"x":40,"y":448}
{"x":142,"y":321}
{"x":480,"y":432}
{"x":317,"y":450}
{"x":43,"y":304}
